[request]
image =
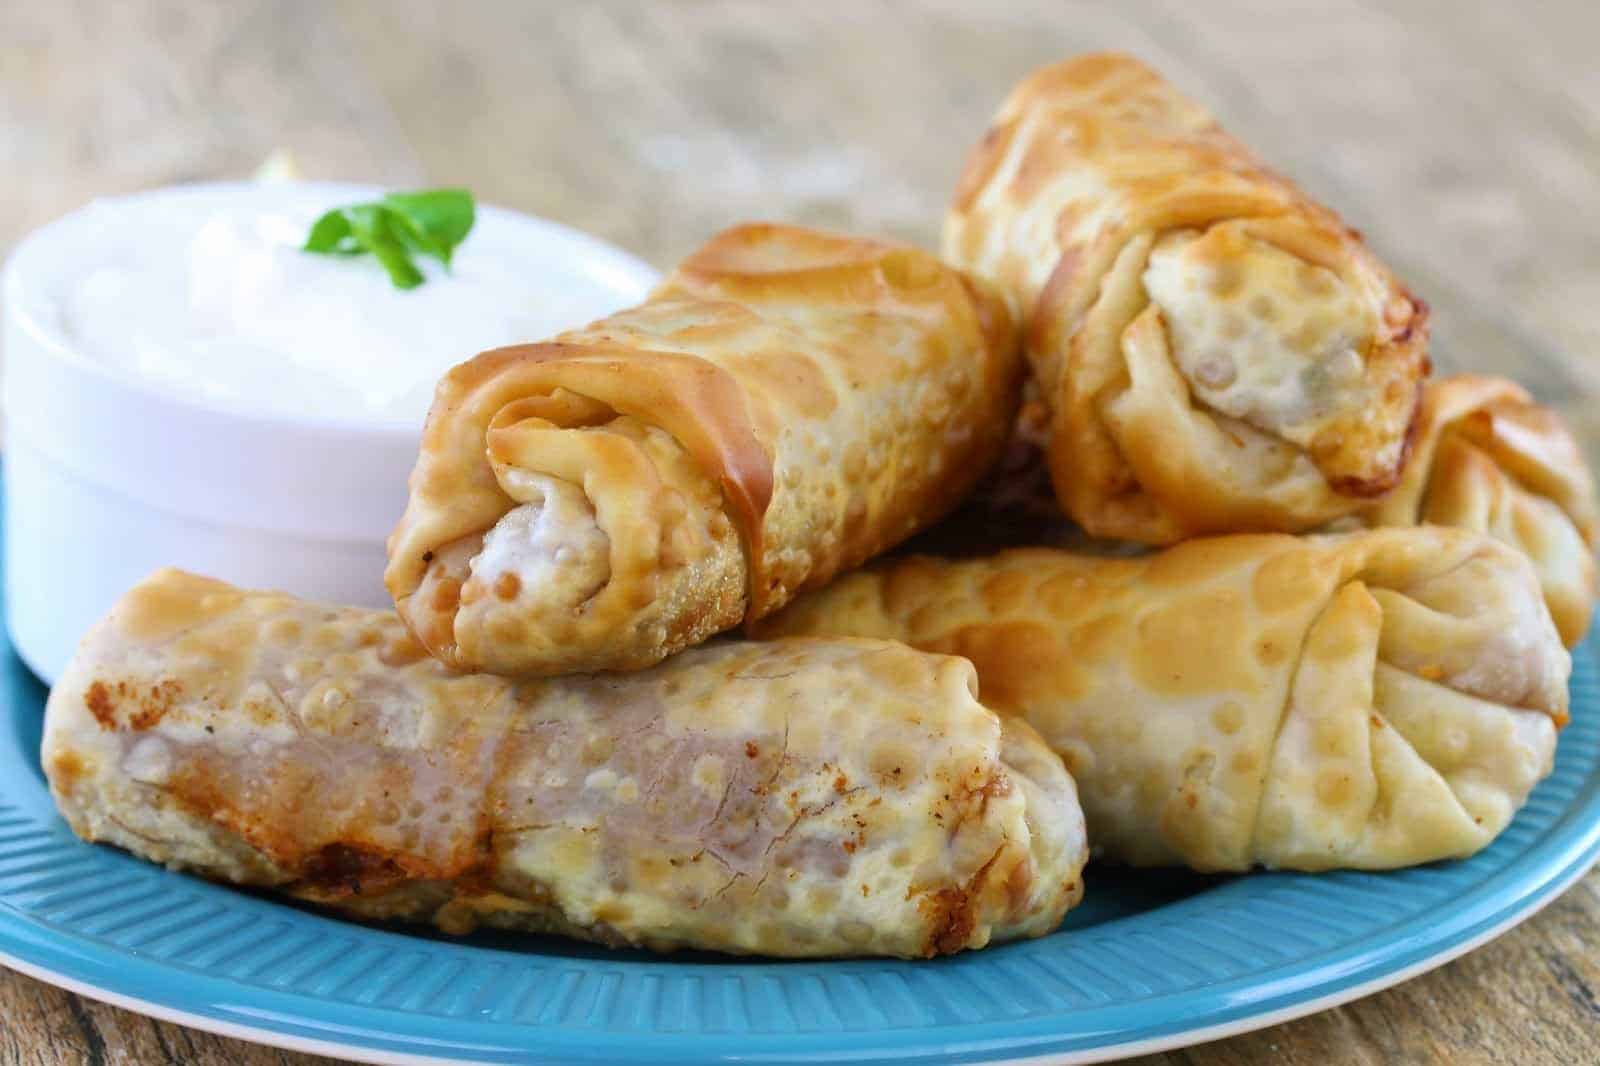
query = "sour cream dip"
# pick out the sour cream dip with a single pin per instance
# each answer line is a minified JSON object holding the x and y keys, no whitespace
{"x":185,"y":387}
{"x":208,"y":294}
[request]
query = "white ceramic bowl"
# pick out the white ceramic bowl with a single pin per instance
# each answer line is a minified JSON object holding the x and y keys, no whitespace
{"x":109,"y":476}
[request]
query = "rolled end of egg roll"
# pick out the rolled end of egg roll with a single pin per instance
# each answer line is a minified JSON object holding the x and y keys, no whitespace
{"x":787,"y":404}
{"x":796,"y":798}
{"x":1373,"y":700}
{"x":1491,"y":459}
{"x":1219,"y":352}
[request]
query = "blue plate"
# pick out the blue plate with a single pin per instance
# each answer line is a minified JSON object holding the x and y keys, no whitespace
{"x":1150,"y":960}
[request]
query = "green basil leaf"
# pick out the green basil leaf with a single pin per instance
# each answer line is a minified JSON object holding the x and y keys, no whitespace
{"x":441,"y":217}
{"x":374,"y":227}
{"x":328,"y":233}
{"x":431,"y":222}
{"x":416,"y":238}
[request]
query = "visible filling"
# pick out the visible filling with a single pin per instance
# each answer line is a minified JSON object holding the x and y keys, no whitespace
{"x":1260,"y":334}
{"x":630,"y":560}
{"x":551,"y":543}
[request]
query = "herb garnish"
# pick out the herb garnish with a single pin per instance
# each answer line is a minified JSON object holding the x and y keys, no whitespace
{"x":431,"y":222}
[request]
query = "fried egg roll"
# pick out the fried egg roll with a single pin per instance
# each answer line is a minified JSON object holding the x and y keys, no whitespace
{"x":784,"y":406}
{"x":1371,"y":700}
{"x":799,"y":798}
{"x":1219,"y":353}
{"x":1489,"y":458}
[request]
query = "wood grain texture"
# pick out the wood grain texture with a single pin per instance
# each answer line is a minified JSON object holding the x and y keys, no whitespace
{"x":1464,"y":139}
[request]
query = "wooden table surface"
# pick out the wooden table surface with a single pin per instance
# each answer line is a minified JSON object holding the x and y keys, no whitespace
{"x":1464,"y":140}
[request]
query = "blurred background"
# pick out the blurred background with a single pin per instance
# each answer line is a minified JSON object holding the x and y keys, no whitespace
{"x":1463,"y":139}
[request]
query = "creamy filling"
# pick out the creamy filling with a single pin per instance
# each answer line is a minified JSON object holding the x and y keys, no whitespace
{"x":1261,"y":335}
{"x":551,"y":543}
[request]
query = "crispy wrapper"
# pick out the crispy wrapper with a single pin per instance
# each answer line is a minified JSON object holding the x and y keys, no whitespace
{"x":786,"y":405}
{"x":800,"y":798}
{"x":1218,"y":352}
{"x":1369,"y":700}
{"x":1489,"y":458}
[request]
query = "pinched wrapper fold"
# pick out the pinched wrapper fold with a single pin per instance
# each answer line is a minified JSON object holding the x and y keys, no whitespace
{"x":1491,"y":459}
{"x":799,"y":798}
{"x":785,"y":405}
{"x":1218,"y":352}
{"x":1371,"y":700}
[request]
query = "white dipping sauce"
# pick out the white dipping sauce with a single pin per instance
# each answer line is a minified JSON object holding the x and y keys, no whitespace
{"x":185,"y":387}
{"x":221,"y":305}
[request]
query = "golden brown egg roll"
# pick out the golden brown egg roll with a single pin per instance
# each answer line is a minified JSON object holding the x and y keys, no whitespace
{"x":785,"y":405}
{"x":1219,"y":353}
{"x":1489,"y":458}
{"x":801,"y":798}
{"x":1370,"y":700}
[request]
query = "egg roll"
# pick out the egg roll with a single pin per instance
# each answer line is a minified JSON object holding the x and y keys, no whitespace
{"x":799,"y":798}
{"x":1219,"y":353}
{"x":1368,"y":700}
{"x":1489,"y":458}
{"x":786,"y":404}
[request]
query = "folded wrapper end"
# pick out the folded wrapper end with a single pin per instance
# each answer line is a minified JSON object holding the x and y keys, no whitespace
{"x":1490,"y":459}
{"x":626,"y":442}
